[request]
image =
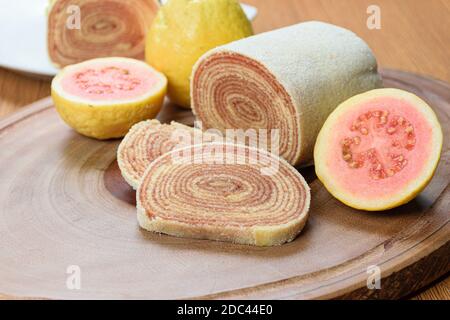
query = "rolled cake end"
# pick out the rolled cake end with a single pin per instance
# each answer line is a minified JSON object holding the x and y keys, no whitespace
{"x":231,"y":90}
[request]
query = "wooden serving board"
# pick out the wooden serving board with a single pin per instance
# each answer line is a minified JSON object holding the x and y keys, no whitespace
{"x":63,"y":203}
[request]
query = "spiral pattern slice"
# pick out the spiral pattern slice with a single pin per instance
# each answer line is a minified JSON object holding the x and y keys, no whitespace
{"x":147,"y":140}
{"x":79,"y":30}
{"x":223,"y":191}
{"x":241,"y":93}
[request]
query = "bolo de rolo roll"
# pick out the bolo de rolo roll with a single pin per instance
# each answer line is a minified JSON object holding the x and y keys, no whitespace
{"x":79,"y":30}
{"x":289,"y":79}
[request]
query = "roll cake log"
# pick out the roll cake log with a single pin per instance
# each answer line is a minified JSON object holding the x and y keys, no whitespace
{"x":289,"y":79}
{"x":221,"y":191}
{"x":147,"y":140}
{"x":79,"y":30}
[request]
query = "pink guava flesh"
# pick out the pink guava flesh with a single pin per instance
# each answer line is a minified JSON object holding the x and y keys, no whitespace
{"x":109,"y":81}
{"x":379,"y":147}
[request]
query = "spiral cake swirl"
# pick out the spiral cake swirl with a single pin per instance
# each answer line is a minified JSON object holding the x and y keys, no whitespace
{"x":106,"y":28}
{"x":221,"y":191}
{"x":147,"y":140}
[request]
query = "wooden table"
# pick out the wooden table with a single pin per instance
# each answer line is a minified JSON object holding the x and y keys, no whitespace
{"x":414,"y":36}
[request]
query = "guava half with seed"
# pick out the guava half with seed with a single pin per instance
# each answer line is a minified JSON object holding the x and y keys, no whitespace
{"x":379,"y":149}
{"x":102,"y":98}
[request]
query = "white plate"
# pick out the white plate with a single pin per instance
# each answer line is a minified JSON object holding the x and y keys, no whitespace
{"x":23,"y":30}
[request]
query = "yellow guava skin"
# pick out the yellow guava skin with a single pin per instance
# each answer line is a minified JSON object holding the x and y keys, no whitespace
{"x":106,"y":121}
{"x":183,"y":30}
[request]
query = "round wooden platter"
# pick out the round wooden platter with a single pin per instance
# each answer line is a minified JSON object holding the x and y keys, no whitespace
{"x":63,"y":203}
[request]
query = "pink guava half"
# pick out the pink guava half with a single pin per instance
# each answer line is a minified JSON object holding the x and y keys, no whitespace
{"x":109,"y":79}
{"x":102,"y":98}
{"x":378,"y":149}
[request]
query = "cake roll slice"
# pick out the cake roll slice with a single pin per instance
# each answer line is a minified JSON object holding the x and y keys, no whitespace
{"x":147,"y":140}
{"x":224,"y":192}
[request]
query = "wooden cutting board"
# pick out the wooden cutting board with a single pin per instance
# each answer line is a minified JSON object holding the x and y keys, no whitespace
{"x":63,"y":203}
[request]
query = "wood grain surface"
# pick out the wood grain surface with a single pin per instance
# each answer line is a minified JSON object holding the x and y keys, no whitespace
{"x":64,"y":203}
{"x":414,"y":37}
